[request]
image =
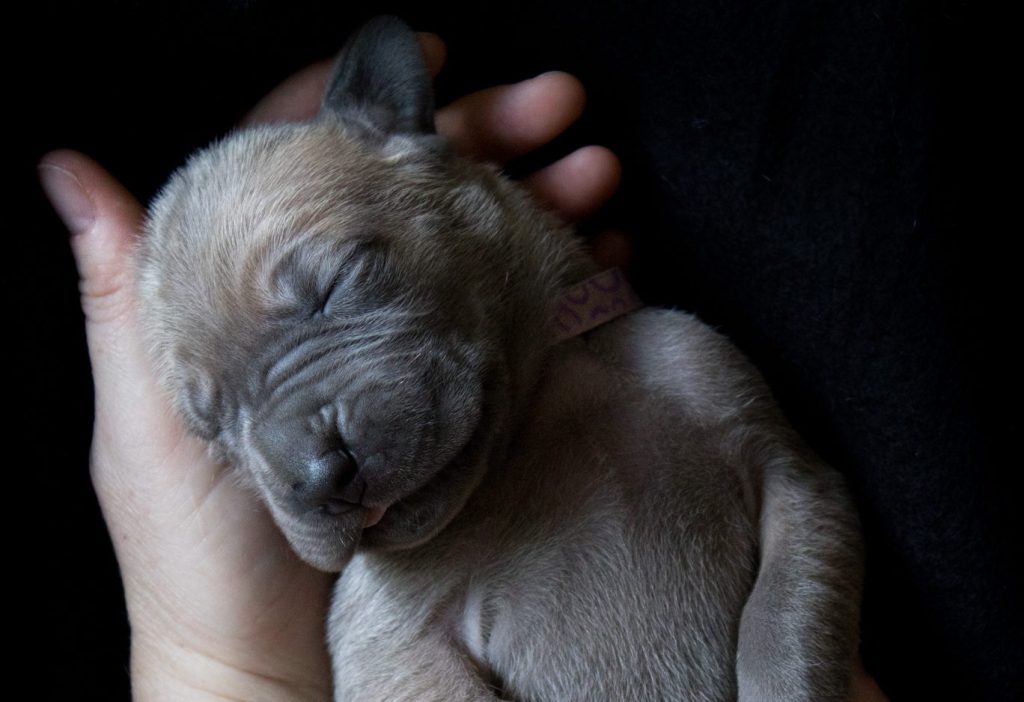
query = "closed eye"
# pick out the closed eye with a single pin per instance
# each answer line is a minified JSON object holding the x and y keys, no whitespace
{"x":357,"y":282}
{"x":330,"y":298}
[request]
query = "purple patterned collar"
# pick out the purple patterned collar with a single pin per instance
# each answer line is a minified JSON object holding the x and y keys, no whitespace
{"x":594,"y":301}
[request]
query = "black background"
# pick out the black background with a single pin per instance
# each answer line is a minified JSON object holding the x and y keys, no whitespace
{"x":792,"y":173}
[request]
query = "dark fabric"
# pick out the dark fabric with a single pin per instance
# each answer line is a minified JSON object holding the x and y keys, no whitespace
{"x":793,"y":173}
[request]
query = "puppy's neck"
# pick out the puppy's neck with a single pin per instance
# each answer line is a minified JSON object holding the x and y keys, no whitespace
{"x":543,"y":259}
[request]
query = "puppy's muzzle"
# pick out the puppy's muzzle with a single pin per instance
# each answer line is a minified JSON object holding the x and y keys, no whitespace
{"x":313,"y":467}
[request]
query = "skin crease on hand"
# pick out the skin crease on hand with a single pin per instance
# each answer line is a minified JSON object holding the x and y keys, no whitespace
{"x":219,"y":605}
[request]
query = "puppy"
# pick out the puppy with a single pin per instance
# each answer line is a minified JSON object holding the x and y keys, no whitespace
{"x":372,"y":331}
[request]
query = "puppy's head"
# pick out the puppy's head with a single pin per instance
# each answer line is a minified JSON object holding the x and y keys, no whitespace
{"x":331,"y":304}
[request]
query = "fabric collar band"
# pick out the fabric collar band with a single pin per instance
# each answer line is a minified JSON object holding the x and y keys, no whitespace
{"x":594,"y":301}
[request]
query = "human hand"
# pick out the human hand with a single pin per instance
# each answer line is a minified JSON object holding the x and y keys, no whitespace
{"x":219,"y":605}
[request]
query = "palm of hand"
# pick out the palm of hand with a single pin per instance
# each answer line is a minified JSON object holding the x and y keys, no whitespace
{"x":241,"y":588}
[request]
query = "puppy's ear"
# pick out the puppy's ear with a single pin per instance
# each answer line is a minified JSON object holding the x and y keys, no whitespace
{"x":380,"y":77}
{"x":200,"y":402}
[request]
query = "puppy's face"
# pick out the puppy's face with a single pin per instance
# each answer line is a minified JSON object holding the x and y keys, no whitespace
{"x":315,"y":295}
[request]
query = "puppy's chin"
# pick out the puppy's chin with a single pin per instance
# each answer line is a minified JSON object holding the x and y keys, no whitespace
{"x":423,"y":514}
{"x":326,"y":542}
{"x":418,"y":517}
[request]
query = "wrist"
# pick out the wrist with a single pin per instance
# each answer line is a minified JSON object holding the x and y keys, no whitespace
{"x":168,"y":672}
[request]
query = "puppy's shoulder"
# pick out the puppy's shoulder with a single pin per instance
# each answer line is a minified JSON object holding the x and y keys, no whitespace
{"x":675,"y":357}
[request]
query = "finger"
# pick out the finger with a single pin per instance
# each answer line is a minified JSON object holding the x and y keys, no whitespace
{"x":578,"y":184}
{"x":612,"y":249}
{"x":103,"y":218}
{"x":434,"y":51}
{"x":510,"y":120}
{"x":864,"y":688}
{"x":298,"y":98}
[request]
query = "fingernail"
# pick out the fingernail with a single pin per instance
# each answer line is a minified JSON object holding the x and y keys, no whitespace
{"x":68,"y":197}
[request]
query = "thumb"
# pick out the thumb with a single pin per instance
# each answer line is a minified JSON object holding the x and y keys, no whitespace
{"x":103,"y":219}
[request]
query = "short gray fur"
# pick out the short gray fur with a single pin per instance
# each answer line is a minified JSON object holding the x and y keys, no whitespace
{"x":357,"y":319}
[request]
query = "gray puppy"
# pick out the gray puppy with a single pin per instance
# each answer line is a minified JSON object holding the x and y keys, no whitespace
{"x":369,"y":328}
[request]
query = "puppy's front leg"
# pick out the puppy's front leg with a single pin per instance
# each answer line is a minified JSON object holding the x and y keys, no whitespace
{"x":388,"y":645}
{"x":798,"y":632}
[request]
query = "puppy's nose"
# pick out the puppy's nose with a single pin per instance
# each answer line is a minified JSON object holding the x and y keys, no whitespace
{"x":331,"y":483}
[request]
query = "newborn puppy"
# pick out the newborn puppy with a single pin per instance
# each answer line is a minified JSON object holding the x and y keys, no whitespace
{"x":370,"y":328}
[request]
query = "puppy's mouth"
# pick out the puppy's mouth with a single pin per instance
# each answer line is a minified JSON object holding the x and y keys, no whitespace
{"x":418,"y":516}
{"x":335,"y":507}
{"x":373,"y":516}
{"x":415,"y":516}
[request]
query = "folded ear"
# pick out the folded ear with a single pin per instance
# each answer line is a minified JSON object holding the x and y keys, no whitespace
{"x":200,"y":404}
{"x":380,"y":77}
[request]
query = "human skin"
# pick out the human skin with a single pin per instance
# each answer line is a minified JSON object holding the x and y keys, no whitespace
{"x":219,"y":606}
